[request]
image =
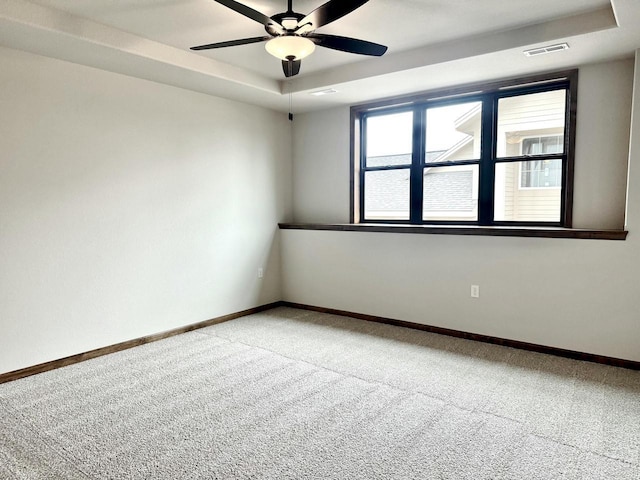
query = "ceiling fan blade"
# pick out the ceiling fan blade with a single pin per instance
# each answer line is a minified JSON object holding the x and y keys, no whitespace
{"x":330,"y":11}
{"x":252,"y":14}
{"x":346,"y":44}
{"x":232,"y":43}
{"x":291,"y":67}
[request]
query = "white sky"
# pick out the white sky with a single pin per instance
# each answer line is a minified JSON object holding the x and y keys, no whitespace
{"x":392,"y":134}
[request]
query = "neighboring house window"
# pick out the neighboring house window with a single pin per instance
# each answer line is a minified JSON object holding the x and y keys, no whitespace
{"x":542,"y":173}
{"x":492,"y":154}
{"x":542,"y":145}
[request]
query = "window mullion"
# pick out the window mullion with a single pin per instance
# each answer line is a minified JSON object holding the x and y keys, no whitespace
{"x":487,"y":159}
{"x":417,"y":162}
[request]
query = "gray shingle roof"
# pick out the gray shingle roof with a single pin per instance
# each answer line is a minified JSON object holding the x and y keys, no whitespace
{"x":400,"y":159}
{"x":387,"y":191}
{"x":386,"y":160}
{"x":444,"y":191}
{"x":449,"y":191}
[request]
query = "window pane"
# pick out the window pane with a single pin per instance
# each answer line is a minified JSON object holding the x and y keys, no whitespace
{"x":531,"y":124}
{"x":453,"y":132}
{"x":386,"y":195}
{"x":519,"y":196}
{"x":389,"y":139}
{"x":451,"y":193}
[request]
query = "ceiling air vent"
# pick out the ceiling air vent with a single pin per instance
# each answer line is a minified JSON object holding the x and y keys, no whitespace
{"x":548,"y":49}
{"x":320,"y":93}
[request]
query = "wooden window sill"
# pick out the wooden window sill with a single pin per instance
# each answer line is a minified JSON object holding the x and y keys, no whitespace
{"x":498,"y":231}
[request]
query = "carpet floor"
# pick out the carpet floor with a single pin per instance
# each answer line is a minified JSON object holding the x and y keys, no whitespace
{"x":293,"y":394}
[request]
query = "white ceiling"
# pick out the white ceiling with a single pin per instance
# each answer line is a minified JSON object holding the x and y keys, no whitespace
{"x":432,"y":43}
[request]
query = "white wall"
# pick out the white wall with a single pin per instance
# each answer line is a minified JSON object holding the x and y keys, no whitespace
{"x":575,"y":294}
{"x":321,"y":166}
{"x":129,"y":208}
{"x":602,"y":144}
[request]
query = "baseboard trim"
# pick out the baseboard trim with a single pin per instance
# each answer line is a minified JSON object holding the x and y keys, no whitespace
{"x":559,"y":352}
{"x":81,"y":357}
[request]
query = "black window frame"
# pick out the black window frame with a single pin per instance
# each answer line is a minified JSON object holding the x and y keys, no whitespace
{"x":489,"y":94}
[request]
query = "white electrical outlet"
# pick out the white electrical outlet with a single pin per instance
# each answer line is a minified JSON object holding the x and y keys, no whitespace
{"x":260,"y":272}
{"x":475,"y":291}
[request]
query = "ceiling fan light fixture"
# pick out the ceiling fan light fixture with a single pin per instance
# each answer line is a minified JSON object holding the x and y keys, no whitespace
{"x":290,"y":46}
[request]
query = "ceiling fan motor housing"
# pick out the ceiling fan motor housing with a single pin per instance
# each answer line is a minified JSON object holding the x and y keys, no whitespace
{"x":283,"y":19}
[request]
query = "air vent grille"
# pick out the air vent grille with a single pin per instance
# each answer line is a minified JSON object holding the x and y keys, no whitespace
{"x":548,"y":49}
{"x":328,"y":91}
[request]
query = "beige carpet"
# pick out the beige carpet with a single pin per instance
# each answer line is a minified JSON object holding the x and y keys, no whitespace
{"x":295,"y":394}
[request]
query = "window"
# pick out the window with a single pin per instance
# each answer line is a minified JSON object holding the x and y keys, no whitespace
{"x":542,"y":173}
{"x":387,"y":165}
{"x":542,"y":145}
{"x":494,"y":154}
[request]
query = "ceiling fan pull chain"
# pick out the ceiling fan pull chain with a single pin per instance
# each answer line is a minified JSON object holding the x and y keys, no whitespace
{"x":290,"y":101}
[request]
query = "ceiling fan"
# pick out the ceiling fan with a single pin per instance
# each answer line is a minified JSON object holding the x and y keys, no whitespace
{"x":292,"y":35}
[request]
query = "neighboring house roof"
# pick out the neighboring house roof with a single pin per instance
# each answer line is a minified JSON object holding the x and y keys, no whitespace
{"x":388,"y":191}
{"x":446,"y":155}
{"x":385,"y":160}
{"x":401,"y":159}
{"x":430,"y":157}
{"x":449,"y":191}
{"x":465,"y":122}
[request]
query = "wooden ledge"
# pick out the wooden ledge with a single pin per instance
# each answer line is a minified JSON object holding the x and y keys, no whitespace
{"x":498,"y":231}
